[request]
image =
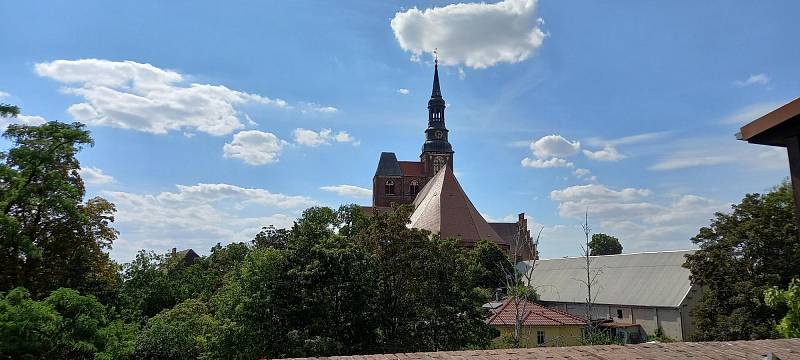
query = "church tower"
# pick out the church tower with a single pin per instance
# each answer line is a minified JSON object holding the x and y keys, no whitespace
{"x":437,"y":151}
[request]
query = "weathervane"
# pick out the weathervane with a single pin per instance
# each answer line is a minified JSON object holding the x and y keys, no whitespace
{"x":436,"y":55}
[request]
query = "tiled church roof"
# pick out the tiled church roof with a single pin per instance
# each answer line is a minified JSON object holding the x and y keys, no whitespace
{"x":388,"y":165}
{"x":443,"y":207}
{"x":412,"y":168}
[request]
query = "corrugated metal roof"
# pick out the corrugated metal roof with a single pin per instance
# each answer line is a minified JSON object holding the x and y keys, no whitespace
{"x":644,"y":279}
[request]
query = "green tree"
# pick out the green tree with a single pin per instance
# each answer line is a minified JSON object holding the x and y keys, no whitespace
{"x":603,"y":244}
{"x":489,"y":266}
{"x":789,"y":326}
{"x":313,"y":294}
{"x":50,"y":238}
{"x":65,"y":325}
{"x":183,"y":332}
{"x":742,"y":254}
{"x":8,"y":110}
{"x":427,"y":299}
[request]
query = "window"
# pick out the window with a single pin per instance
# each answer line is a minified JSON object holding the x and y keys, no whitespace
{"x":389,"y":189}
{"x":413,"y":189}
{"x":438,"y":163}
{"x":619,"y":313}
{"x":540,"y":337}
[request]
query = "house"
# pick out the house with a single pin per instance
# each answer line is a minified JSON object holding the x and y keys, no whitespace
{"x":651,"y":289}
{"x":541,"y":326}
{"x":187,"y":257}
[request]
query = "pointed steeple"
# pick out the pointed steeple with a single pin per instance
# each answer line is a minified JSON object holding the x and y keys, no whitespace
{"x":437,"y":92}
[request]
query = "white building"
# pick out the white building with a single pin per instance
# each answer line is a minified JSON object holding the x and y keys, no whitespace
{"x":651,"y":289}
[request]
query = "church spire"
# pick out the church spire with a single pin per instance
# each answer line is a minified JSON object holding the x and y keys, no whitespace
{"x":437,"y":92}
{"x":437,"y":148}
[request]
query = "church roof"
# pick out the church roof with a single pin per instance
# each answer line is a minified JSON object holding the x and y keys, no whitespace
{"x":388,"y":165}
{"x":443,"y":207}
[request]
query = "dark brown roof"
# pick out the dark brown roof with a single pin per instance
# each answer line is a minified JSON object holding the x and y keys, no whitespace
{"x":507,"y":231}
{"x":443,"y":207}
{"x":388,"y":165}
{"x":411,"y":168}
{"x":532,"y":315}
{"x":775,"y":127}
{"x":785,"y":349}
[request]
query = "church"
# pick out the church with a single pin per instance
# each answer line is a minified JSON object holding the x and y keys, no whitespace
{"x":440,"y":204}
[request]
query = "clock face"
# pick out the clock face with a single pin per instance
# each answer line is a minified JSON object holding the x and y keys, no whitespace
{"x":439,"y":134}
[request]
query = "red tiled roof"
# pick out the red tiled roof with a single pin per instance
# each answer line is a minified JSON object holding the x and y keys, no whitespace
{"x":785,"y":349}
{"x":411,"y":168}
{"x":532,"y":315}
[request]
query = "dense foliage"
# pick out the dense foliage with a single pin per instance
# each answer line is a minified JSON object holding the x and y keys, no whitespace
{"x":742,"y":254}
{"x":789,"y":326}
{"x":603,"y":244}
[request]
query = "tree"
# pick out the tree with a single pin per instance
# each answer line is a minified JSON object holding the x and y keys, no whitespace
{"x":65,"y":325}
{"x":789,"y":326}
{"x":50,"y":238}
{"x":312,"y":293}
{"x":603,"y":244}
{"x":183,"y":332}
{"x":742,"y":254}
{"x":489,"y":265}
{"x":8,"y":110}
{"x":518,"y":278}
{"x":427,"y":300}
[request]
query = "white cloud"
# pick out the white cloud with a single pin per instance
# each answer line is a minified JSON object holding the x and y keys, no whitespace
{"x":30,"y":120}
{"x":93,"y":175}
{"x":403,"y":91}
{"x":349,"y":191}
{"x":131,"y":95}
{"x":581,"y":172}
{"x":638,"y":217}
{"x":750,"y":112}
{"x":554,"y":146}
{"x":541,"y":163}
{"x":254,"y":147}
{"x":709,"y":152}
{"x":4,"y":94}
{"x":477,"y":35}
{"x":323,"y":137}
{"x":608,"y":153}
{"x":314,"y":108}
{"x":197,"y":216}
{"x":761,"y":79}
{"x":626,"y":140}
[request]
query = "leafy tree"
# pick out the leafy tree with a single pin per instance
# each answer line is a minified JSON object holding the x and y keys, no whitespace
{"x":603,"y":244}
{"x":489,"y":265}
{"x":183,"y":332}
{"x":65,"y":325}
{"x":789,"y":326}
{"x":49,"y":238}
{"x":742,"y":254}
{"x":8,"y":110}
{"x":313,"y":294}
{"x":427,"y":298}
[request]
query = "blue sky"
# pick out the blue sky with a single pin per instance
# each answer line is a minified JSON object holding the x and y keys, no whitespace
{"x":212,"y":120}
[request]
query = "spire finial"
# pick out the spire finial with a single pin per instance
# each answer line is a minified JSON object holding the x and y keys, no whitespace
{"x":436,"y":55}
{"x":436,"y":93}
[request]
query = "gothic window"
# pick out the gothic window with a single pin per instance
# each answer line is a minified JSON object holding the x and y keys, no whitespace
{"x":414,"y":187}
{"x":389,"y":187}
{"x":438,"y":163}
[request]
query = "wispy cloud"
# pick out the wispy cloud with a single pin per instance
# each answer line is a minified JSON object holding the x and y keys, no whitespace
{"x":760,"y":79}
{"x":750,"y":112}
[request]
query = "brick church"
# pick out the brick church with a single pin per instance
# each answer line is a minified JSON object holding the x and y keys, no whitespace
{"x":440,"y":204}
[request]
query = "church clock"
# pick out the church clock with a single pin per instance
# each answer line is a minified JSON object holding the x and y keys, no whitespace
{"x":439,"y":134}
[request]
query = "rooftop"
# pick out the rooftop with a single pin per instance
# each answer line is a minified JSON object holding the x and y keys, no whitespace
{"x":784,"y":349}
{"x":644,"y":279}
{"x":532,"y":315}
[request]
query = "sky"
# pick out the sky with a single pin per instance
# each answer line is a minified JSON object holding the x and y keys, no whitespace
{"x":213,"y":119}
